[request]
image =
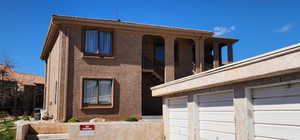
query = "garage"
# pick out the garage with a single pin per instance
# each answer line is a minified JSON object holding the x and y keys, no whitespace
{"x":178,"y":118}
{"x":254,"y":99}
{"x":216,"y":116}
{"x":276,"y":112}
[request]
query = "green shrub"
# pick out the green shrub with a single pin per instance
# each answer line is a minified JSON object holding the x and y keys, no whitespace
{"x":7,"y":130}
{"x":132,"y":119}
{"x":3,"y":114}
{"x":25,"y":118}
{"x":73,"y":120}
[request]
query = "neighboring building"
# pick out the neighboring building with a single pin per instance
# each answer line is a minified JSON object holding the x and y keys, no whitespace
{"x":104,"y":68}
{"x":20,"y":93}
{"x":253,"y":99}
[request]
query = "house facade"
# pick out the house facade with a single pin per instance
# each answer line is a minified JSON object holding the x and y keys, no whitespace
{"x":20,"y":93}
{"x":104,"y":69}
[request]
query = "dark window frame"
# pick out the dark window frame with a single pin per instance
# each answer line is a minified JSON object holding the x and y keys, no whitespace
{"x":98,"y":105}
{"x":99,"y":54}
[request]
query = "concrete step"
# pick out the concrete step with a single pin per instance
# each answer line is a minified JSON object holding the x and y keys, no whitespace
{"x":48,"y":137}
{"x":151,"y":118}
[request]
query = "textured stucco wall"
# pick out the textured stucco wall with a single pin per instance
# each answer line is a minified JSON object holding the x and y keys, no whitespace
{"x":53,"y":76}
{"x":120,"y":131}
{"x":103,"y":130}
{"x":124,"y":67}
{"x":185,"y":56}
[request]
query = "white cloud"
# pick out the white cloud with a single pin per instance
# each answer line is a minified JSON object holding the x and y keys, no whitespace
{"x":285,"y":28}
{"x":221,"y":30}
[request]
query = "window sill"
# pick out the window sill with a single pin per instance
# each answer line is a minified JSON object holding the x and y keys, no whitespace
{"x":98,"y":57}
{"x":97,"y":107}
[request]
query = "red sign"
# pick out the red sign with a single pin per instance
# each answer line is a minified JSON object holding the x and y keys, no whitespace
{"x":87,"y":127}
{"x":87,"y":130}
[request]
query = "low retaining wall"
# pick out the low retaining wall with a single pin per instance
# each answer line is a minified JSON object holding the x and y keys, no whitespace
{"x":22,"y":130}
{"x":103,"y":130}
{"x":119,"y":131}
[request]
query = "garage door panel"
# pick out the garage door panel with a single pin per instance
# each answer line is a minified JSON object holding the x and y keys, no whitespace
{"x":277,"y":101}
{"x":210,"y":135}
{"x":216,"y":109}
{"x":217,"y":126}
{"x":215,"y":116}
{"x":177,"y":109}
{"x":179,"y":130}
{"x":178,"y":115}
{"x":277,"y":112}
{"x":179,"y":123}
{"x":177,"y":106}
{"x":277,"y":107}
{"x":215,"y":98}
{"x":277,"y":131}
{"x":216,"y":104}
{"x":263,"y":138}
{"x":176,"y":100}
{"x":277,"y":91}
{"x":178,"y":137}
{"x":178,"y":118}
{"x":278,"y":117}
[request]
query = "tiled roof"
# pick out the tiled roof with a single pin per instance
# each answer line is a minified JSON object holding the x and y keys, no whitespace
{"x":22,"y":78}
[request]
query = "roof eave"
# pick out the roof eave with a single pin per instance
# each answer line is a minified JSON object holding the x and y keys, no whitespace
{"x":57,"y":19}
{"x":51,"y":31}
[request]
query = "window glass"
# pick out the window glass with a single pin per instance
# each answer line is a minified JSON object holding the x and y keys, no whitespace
{"x":97,"y":92}
{"x":105,"y":43}
{"x":90,"y":92}
{"x":105,"y":91}
{"x":91,"y":41}
{"x":160,"y":53}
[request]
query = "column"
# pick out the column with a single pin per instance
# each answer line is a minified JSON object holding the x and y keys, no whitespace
{"x":243,"y":113}
{"x":216,"y":55}
{"x":169,"y":58}
{"x":199,"y":54}
{"x":165,"y":119}
{"x":230,"y":53}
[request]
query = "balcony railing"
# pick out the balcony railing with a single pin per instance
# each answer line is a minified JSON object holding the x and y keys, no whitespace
{"x":156,"y":65}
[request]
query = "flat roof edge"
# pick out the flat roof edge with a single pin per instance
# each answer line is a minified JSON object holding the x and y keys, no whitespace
{"x":230,"y":67}
{"x":125,"y":23}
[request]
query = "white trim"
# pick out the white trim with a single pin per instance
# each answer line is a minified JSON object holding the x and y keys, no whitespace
{"x":273,"y":85}
{"x":196,"y":117}
{"x":214,"y":92}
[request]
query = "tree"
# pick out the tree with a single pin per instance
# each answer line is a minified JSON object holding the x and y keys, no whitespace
{"x":8,"y":62}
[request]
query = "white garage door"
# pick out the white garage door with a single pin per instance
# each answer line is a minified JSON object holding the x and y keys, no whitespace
{"x":178,"y":118}
{"x":216,"y":116}
{"x":277,"y":112}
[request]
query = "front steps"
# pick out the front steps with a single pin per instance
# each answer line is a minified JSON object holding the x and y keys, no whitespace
{"x":48,"y":137}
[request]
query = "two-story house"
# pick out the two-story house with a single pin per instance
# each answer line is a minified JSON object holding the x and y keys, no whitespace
{"x":105,"y":68}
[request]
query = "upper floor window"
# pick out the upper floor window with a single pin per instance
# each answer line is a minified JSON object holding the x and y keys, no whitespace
{"x":98,"y":42}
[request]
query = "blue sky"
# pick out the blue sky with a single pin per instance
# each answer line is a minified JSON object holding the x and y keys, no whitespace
{"x":261,"y":25}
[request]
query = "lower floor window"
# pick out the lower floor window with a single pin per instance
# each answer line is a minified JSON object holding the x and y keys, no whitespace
{"x":97,"y":92}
